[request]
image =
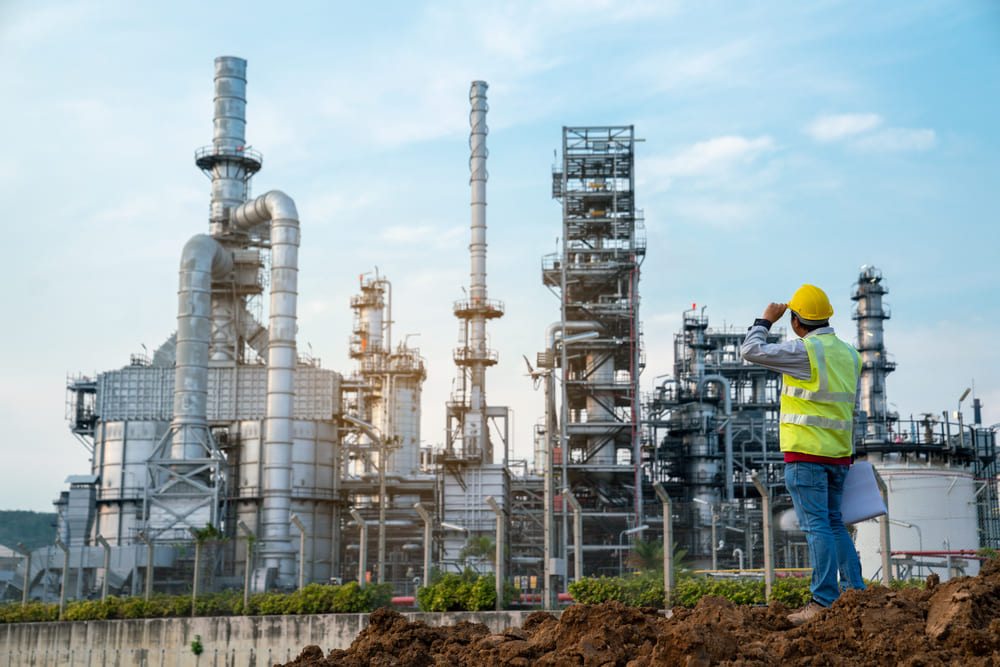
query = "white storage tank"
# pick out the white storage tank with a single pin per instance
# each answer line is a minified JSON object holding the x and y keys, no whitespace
{"x":121,"y":449}
{"x":934,"y":503}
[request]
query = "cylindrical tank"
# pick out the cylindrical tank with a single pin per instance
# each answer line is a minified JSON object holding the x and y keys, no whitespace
{"x":938,"y":500}
{"x":313,"y":456}
{"x":406,"y":420}
{"x":121,"y":449}
{"x":313,"y":489}
{"x":600,"y":401}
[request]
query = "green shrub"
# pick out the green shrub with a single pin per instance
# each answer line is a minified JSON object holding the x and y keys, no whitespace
{"x":463,"y":592}
{"x":313,"y":599}
{"x":376,"y":596}
{"x":646,"y":590}
{"x":217,"y":604}
{"x":636,"y":590}
{"x":793,"y":592}
{"x":267,"y":604}
{"x":12,"y":612}
{"x":912,"y":582}
{"x":85,"y":610}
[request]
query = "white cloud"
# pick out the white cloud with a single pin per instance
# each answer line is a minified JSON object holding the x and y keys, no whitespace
{"x":840,"y":126}
{"x":899,"y":139}
{"x":707,"y":159}
{"x":717,"y":154}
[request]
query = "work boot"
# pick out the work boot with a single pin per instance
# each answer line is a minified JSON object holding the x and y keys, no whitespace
{"x":807,"y":613}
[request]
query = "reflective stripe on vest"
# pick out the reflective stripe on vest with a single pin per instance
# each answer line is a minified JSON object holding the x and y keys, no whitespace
{"x":817,"y":415}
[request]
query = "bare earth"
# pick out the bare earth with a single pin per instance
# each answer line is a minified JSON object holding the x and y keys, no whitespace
{"x":956,"y":623}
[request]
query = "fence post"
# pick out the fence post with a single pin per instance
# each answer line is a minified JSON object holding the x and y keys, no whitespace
{"x":499,"y":550}
{"x":65,"y":573}
{"x":765,"y":497}
{"x":668,"y":543}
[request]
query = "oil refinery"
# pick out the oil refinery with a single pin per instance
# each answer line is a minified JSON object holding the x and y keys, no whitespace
{"x":320,"y":475}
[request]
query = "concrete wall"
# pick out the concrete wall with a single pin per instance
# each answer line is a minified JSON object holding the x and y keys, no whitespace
{"x":233,"y":641}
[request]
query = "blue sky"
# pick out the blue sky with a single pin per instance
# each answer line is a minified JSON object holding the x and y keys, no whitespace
{"x":785,"y":143}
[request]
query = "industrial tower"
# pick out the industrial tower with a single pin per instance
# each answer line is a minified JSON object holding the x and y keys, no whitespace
{"x":593,"y":444}
{"x":474,"y":428}
{"x":870,"y":312}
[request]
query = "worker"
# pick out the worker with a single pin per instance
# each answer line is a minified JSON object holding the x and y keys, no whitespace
{"x":819,"y":402}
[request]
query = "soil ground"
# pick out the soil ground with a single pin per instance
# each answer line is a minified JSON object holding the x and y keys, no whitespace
{"x":955,"y":623}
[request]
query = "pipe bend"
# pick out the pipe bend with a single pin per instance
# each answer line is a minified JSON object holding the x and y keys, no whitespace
{"x":722,"y":380}
{"x":564,"y":328}
{"x":273,"y":205}
{"x":204,"y":253}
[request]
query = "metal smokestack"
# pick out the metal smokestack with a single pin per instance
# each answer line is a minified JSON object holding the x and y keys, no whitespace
{"x":467,"y":419}
{"x":477,"y":248}
{"x":228,"y":161}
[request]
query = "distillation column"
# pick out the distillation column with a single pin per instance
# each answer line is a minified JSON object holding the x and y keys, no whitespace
{"x":870,"y":312}
{"x":393,"y":379}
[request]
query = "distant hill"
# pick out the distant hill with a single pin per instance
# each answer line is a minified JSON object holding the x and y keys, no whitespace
{"x":34,"y":529}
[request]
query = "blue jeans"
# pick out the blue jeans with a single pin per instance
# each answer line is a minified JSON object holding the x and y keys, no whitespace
{"x":816,"y":490}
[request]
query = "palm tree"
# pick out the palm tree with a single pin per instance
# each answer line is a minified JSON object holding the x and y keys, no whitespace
{"x":645,"y":555}
{"x":648,"y":556}
{"x":477,"y":550}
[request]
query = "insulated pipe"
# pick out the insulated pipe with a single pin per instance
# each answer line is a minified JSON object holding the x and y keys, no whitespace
{"x":202,"y":260}
{"x":278,"y":209}
{"x":565,"y":328}
{"x":729,"y":428}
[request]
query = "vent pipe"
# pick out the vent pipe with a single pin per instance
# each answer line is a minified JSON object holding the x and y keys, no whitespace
{"x":278,"y":209}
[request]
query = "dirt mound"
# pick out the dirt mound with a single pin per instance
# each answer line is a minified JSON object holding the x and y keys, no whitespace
{"x":956,"y":623}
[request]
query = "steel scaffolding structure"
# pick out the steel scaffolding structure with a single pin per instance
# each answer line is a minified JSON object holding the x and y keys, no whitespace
{"x":594,"y":445}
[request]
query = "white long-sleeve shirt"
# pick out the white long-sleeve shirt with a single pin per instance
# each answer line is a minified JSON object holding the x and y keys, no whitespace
{"x":789,"y":357}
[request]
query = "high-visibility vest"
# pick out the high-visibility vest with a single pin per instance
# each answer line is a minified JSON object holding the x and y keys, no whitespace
{"x":817,"y":415}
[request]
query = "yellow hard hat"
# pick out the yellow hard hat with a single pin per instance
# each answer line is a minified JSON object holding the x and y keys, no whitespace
{"x":810,"y":304}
